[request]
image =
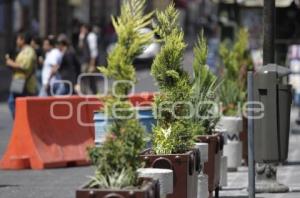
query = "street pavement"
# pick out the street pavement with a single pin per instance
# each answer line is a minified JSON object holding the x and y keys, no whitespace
{"x":288,"y":174}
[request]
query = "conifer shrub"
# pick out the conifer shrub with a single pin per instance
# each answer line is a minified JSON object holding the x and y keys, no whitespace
{"x":235,"y":62}
{"x":177,"y":122}
{"x":117,"y":159}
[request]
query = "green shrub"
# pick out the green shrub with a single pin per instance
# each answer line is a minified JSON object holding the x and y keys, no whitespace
{"x":130,"y":43}
{"x":117,"y":160}
{"x":204,"y":88}
{"x":174,"y":134}
{"x":236,"y":62}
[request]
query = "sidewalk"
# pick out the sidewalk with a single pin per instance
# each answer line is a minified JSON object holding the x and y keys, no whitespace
{"x":288,"y":174}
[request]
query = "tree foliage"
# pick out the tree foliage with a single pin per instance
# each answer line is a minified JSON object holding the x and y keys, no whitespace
{"x":236,"y":62}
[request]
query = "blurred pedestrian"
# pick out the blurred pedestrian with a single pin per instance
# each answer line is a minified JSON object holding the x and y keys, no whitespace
{"x":88,"y":44}
{"x":69,"y":69}
{"x":37,"y":46}
{"x":24,"y":80}
{"x":181,"y":6}
{"x":50,"y":75}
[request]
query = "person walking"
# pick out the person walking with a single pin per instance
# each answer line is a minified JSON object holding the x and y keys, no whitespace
{"x":36,"y":45}
{"x":181,"y":5}
{"x":69,"y":69}
{"x":88,"y":46}
{"x":50,"y":75}
{"x":23,"y":67}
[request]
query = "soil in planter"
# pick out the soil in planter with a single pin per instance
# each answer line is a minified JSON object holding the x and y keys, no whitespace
{"x":147,"y":188}
{"x":184,"y":169}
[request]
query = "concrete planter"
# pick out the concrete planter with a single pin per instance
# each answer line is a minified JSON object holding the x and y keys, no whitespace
{"x":233,"y":148}
{"x":147,"y":188}
{"x":223,"y":160}
{"x":223,"y":171}
{"x":202,"y":189}
{"x":202,"y":186}
{"x":185,"y":169}
{"x":164,"y":177}
{"x":212,"y":166}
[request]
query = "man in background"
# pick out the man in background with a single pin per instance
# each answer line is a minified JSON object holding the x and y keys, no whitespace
{"x":23,"y":67}
{"x":50,"y":75}
{"x":69,"y":69}
{"x":88,"y":45}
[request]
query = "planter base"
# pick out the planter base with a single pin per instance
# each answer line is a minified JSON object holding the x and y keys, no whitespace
{"x":266,"y":180}
{"x":270,"y":187}
{"x":184,"y":169}
{"x":148,"y":189}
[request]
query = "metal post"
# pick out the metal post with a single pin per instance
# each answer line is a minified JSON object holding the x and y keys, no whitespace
{"x":43,"y":18}
{"x":118,"y":7}
{"x":251,"y":169}
{"x":269,"y":31}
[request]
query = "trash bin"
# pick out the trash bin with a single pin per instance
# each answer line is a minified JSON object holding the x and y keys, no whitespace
{"x":271,"y":131}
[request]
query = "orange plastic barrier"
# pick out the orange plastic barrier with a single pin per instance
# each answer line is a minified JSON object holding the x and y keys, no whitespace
{"x":55,"y":132}
{"x":47,"y":134}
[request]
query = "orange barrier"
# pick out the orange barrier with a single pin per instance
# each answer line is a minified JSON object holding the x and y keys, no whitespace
{"x":142,"y":99}
{"x":46,"y":134}
{"x":54,"y":132}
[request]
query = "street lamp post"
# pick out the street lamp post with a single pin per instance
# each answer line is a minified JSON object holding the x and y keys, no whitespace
{"x":269,"y":31}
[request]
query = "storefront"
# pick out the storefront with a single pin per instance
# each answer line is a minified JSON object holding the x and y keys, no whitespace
{"x":248,"y":13}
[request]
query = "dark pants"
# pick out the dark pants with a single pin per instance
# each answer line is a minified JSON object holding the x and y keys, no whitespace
{"x":12,"y":101}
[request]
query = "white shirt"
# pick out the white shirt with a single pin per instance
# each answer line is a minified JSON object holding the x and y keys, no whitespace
{"x":93,"y":44}
{"x":53,"y":57}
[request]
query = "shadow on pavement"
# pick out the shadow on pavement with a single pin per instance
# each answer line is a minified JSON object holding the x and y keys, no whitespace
{"x":292,"y":163}
{"x":8,"y":186}
{"x":237,"y":196}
